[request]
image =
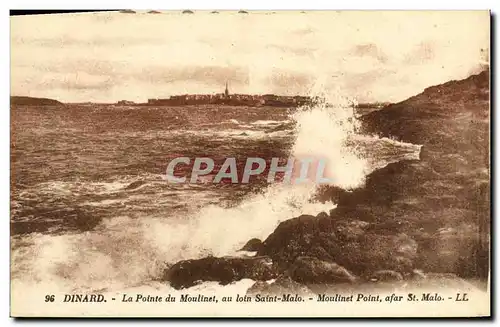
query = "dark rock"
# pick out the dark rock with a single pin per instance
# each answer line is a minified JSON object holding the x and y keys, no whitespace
{"x":418,"y":274}
{"x":351,"y":230}
{"x":377,"y":252}
{"x":302,"y":236}
{"x":322,"y":215}
{"x":346,"y":243}
{"x":30,"y":101}
{"x":253,"y":245}
{"x":282,"y":285}
{"x":448,"y":187}
{"x":459,"y":250}
{"x":403,"y":264}
{"x":388,"y":228}
{"x":309,"y":270}
{"x":224,"y":270}
{"x":259,"y":287}
{"x":386,"y":276}
{"x":331,"y":193}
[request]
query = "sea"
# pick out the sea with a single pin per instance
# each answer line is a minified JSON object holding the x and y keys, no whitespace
{"x":91,"y":210}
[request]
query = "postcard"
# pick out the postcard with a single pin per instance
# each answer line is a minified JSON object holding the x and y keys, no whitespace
{"x":250,"y":164}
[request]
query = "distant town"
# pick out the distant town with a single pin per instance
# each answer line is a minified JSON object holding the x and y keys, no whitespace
{"x":226,"y":98}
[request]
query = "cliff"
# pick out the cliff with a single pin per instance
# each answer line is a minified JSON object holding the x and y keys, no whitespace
{"x":451,"y":118}
{"x":412,"y":218}
{"x":443,"y":200}
{"x":30,"y":101}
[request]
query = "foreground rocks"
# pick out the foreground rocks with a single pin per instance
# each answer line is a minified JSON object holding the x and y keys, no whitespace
{"x":31,"y":101}
{"x":224,"y":270}
{"x":411,"y":219}
{"x":252,"y":245}
{"x":386,"y":276}
{"x":349,"y":244}
{"x":309,"y":250}
{"x":282,"y":285}
{"x":306,"y":270}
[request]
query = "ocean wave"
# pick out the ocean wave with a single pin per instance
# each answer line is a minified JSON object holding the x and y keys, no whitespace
{"x":127,"y":251}
{"x":267,"y":122}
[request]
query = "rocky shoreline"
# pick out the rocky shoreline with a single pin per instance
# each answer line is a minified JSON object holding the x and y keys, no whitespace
{"x":31,"y":101}
{"x":412,"y":218}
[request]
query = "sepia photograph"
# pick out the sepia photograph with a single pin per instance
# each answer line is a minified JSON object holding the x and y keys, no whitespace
{"x":250,"y":163}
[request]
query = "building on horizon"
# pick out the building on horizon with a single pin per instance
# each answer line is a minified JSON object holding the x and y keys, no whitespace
{"x":234,"y":99}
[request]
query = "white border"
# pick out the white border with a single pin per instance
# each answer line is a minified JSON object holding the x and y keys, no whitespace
{"x":258,"y":5}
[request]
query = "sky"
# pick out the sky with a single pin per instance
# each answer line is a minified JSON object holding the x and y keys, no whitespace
{"x":368,"y":56}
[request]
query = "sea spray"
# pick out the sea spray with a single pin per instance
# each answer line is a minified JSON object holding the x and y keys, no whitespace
{"x":126,"y":252}
{"x":323,"y":131}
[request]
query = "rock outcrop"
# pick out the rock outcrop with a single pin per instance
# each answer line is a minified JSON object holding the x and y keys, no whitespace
{"x":30,"y":101}
{"x":347,"y":243}
{"x":282,"y":285}
{"x":306,"y":270}
{"x":386,"y":276}
{"x":252,"y":245}
{"x":224,"y":270}
{"x":411,"y":219}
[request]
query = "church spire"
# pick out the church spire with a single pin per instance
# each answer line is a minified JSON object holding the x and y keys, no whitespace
{"x":226,"y":92}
